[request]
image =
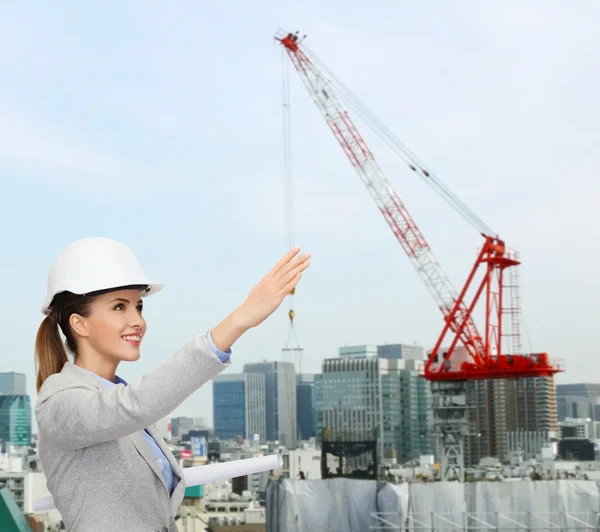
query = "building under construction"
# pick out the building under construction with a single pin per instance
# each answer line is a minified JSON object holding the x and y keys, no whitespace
{"x":500,"y":407}
{"x":349,"y":454}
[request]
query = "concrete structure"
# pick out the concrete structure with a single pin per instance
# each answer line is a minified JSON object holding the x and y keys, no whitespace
{"x":239,"y":406}
{"x":579,"y":429}
{"x":526,"y":444}
{"x":364,"y":391}
{"x":12,"y":383}
{"x":280,"y":394}
{"x":532,"y":404}
{"x":305,"y":412}
{"x":306,"y":460}
{"x":498,"y":407}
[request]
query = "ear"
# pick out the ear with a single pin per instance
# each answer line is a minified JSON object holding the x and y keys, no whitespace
{"x":79,"y":325}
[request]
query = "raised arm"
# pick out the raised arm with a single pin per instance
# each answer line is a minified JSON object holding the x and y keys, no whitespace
{"x":73,"y":415}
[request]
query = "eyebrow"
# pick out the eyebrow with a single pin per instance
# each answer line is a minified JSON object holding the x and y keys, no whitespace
{"x":124,"y":300}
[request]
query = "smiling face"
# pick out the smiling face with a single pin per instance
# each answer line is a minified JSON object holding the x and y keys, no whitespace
{"x":114,"y":328}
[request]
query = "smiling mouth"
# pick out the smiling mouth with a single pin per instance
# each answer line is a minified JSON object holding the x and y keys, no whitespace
{"x":133,"y":338}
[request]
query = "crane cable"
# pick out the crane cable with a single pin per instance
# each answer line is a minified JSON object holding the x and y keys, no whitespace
{"x":287,"y":177}
{"x":353,"y":102}
{"x":384,"y":133}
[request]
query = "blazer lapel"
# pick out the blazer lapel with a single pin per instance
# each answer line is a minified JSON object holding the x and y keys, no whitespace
{"x":165,"y":449}
{"x":140,"y":444}
{"x":178,"y":483}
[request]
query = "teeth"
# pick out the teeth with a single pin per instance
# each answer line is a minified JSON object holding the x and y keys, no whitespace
{"x":133,"y":337}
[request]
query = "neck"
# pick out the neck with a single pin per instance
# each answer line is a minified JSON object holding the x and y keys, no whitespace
{"x":97,"y":364}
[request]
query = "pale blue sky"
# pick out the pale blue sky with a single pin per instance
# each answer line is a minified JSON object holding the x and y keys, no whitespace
{"x":160,"y":125}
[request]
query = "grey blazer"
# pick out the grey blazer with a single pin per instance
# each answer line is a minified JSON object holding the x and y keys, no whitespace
{"x":99,"y":469}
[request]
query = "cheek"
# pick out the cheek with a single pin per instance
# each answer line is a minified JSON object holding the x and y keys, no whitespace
{"x":107,"y":331}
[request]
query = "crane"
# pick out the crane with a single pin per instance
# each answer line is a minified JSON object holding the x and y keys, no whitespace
{"x":461,"y":353}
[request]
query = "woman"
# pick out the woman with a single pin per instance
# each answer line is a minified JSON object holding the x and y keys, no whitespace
{"x":106,"y":467}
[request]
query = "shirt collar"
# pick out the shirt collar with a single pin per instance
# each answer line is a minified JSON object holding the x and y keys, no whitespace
{"x":107,"y":383}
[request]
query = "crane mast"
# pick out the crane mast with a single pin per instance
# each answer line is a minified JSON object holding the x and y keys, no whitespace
{"x":449,"y":368}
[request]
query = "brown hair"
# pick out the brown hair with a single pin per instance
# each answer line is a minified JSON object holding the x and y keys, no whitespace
{"x":50,"y":351}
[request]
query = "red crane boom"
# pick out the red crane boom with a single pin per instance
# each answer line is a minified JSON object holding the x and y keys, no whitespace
{"x":481,"y":357}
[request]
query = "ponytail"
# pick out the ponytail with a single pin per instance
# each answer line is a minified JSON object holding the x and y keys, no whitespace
{"x":49,"y":350}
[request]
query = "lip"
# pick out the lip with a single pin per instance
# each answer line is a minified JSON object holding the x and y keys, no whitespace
{"x":134,"y":343}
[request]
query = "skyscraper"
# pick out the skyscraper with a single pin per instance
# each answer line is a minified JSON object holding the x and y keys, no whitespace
{"x":280,"y":393}
{"x":370,"y":389}
{"x":12,"y":383}
{"x":15,"y":419}
{"x":239,"y":402}
{"x":305,"y":411}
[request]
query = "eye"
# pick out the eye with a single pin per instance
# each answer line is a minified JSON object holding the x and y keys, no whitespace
{"x":140,"y":308}
{"x":120,"y":306}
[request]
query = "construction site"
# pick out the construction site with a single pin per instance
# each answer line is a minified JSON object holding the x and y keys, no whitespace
{"x":484,"y":387}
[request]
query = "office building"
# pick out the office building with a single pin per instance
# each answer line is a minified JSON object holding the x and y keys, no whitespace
{"x":579,"y":400}
{"x":12,"y":383}
{"x":364,"y":391}
{"x":181,"y":425}
{"x":305,"y":410}
{"x":578,"y":429}
{"x":580,"y":389}
{"x":318,"y":407}
{"x":280,"y":393}
{"x":239,"y":402}
{"x":15,"y":419}
{"x":401,"y":351}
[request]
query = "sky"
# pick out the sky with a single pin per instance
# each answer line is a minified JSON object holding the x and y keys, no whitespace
{"x":161,"y":126}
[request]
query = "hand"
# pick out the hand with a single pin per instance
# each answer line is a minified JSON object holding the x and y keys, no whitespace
{"x":268,"y":294}
{"x":264,"y":299}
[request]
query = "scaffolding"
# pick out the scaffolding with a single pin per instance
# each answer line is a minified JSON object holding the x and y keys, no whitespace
{"x":506,"y":522}
{"x":338,"y":504}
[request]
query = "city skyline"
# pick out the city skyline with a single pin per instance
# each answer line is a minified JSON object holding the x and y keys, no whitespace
{"x":177,"y":152}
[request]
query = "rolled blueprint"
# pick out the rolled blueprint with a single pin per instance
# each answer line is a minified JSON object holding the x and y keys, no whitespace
{"x":194,"y":476}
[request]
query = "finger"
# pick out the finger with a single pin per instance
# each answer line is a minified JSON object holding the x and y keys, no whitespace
{"x":287,"y":288}
{"x":285,"y":259}
{"x":300,"y":267}
{"x":291,"y":266}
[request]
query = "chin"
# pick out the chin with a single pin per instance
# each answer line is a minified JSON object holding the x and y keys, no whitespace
{"x":129,"y":357}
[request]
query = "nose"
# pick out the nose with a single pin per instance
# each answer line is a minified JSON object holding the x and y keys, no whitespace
{"x":136,"y":320}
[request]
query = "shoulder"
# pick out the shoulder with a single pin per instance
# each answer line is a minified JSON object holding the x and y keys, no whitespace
{"x":61,"y":382}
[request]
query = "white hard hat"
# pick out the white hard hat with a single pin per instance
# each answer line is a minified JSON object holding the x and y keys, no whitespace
{"x":93,"y":264}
